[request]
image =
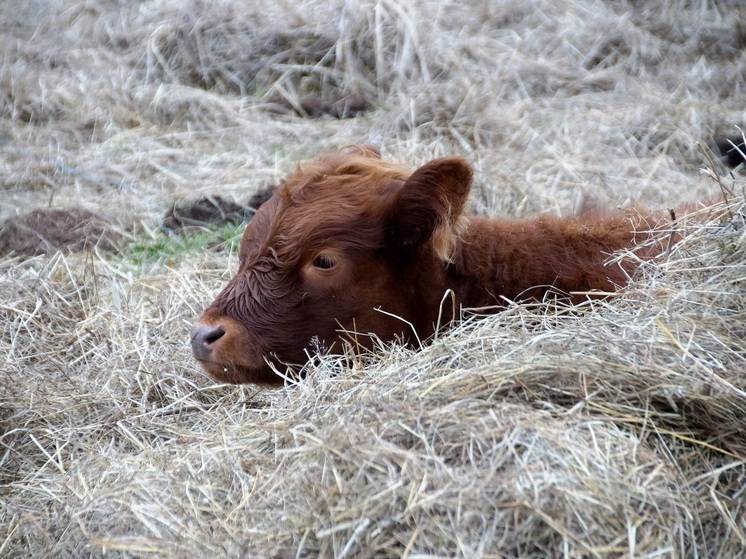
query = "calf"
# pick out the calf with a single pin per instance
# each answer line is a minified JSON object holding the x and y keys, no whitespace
{"x":351,"y":247}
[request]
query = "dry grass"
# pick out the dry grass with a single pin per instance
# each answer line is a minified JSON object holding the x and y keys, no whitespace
{"x":613,"y":430}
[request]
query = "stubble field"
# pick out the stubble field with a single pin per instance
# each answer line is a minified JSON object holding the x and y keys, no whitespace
{"x":613,"y":430}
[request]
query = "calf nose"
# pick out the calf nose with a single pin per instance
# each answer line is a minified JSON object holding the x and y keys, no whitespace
{"x":204,"y":337}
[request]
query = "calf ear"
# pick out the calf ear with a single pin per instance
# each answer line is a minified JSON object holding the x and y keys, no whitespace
{"x":429,"y":206}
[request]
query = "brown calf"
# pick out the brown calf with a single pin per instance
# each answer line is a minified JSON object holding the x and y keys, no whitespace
{"x":349,"y":243}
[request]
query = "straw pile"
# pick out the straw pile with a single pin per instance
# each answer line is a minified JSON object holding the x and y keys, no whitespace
{"x":614,"y":429}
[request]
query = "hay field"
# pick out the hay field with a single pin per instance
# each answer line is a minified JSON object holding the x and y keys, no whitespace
{"x":616,"y":430}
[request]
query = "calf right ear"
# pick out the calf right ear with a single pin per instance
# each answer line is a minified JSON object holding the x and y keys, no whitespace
{"x":428,"y":207}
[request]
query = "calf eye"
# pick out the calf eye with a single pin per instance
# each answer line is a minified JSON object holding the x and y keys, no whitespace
{"x":323,"y":262}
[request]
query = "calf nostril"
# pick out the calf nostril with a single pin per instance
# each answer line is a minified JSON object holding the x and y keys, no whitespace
{"x":203,"y":339}
{"x":213,"y":336}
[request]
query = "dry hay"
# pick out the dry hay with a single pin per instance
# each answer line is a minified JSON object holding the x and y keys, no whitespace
{"x":613,"y":429}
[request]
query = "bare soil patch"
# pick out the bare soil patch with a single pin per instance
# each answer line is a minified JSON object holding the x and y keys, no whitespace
{"x":47,"y":231}
{"x":213,"y":210}
{"x":208,"y":210}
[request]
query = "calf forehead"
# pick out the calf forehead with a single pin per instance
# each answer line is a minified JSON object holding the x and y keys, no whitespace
{"x":258,"y":234}
{"x":341,"y":212}
{"x":341,"y":199}
{"x":356,"y":179}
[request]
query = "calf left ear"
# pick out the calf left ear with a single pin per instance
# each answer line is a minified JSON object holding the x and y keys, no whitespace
{"x":429,"y":206}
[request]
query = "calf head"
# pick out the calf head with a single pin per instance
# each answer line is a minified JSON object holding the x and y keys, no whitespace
{"x":347,"y":241}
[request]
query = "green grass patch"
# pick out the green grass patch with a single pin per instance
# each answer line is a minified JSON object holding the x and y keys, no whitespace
{"x":168,"y":249}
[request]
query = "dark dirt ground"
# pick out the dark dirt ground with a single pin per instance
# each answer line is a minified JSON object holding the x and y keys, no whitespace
{"x":213,"y":211}
{"x":732,"y":150}
{"x":47,"y":231}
